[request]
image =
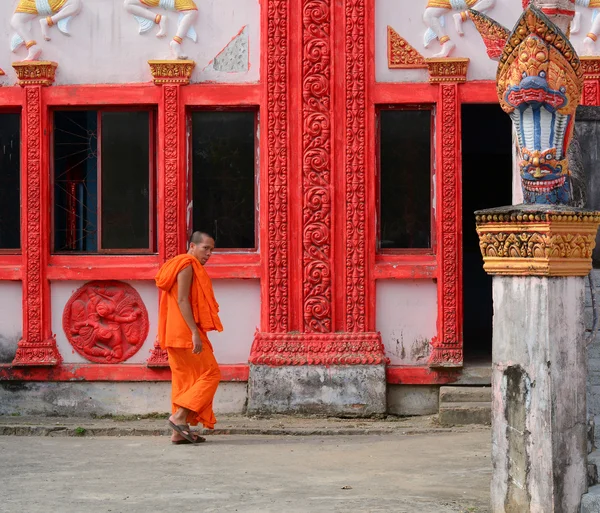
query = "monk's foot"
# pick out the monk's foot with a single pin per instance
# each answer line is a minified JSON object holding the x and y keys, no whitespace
{"x":45,"y":29}
{"x":34,"y":53}
{"x":458,"y":24}
{"x":177,"y":439}
{"x":447,"y":47}
{"x":162,"y":27}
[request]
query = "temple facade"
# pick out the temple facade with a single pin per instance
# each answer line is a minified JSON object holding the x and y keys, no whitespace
{"x":335,"y":150}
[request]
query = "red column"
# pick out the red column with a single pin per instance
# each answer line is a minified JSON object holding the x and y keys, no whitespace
{"x":317,"y":231}
{"x":38,"y":346}
{"x":170,"y":75}
{"x":591,"y":80}
{"x":447,"y":347}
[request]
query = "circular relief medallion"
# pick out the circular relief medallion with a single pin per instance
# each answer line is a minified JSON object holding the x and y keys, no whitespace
{"x":106,"y":321}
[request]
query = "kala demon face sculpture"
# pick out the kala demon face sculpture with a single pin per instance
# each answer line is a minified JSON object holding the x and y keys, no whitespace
{"x":539,"y":86}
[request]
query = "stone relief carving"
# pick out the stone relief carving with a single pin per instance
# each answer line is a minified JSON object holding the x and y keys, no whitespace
{"x":589,"y":43}
{"x":147,"y":18}
{"x":51,"y":12}
{"x":106,"y":321}
{"x":434,"y":18}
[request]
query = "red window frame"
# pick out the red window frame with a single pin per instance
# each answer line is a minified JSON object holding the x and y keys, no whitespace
{"x":190,"y":171}
{"x":152,"y":180}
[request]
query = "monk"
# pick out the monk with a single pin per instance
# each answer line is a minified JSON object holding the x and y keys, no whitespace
{"x":188,"y":310}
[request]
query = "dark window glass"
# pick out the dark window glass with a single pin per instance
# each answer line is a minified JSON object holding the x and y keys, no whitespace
{"x":125,"y":180}
{"x":223,"y":177}
{"x":405,"y":179}
{"x":10,"y":193}
{"x":102,"y":159}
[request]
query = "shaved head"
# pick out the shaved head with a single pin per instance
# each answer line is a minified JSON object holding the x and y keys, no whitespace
{"x":198,"y":237}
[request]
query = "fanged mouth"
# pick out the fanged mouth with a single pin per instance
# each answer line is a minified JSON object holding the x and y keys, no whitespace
{"x":541,"y":186}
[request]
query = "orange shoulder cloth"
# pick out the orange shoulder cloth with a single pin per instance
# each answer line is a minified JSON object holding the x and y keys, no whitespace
{"x":204,"y":304}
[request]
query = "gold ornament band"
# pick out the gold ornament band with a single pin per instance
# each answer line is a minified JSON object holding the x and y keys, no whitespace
{"x":49,"y":21}
{"x":29,"y":44}
{"x":464,"y":15}
{"x":178,"y":40}
{"x":593,"y":36}
{"x":444,"y":39}
{"x":158,"y":18}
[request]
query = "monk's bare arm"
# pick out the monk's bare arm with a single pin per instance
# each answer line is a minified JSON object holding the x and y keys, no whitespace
{"x":184,"y":285}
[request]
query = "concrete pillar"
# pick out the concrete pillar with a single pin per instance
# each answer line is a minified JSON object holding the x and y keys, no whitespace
{"x":539,"y":257}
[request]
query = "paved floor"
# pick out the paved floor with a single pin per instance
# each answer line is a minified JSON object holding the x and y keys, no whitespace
{"x":429,"y":473}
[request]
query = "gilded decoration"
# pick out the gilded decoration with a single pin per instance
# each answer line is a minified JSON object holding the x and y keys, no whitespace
{"x":35,"y":72}
{"x":447,"y":70}
{"x":171,"y":72}
{"x":537,"y":243}
{"x":2,"y":72}
{"x":539,"y":84}
{"x":401,"y":55}
{"x":493,"y":34}
{"x":591,"y":67}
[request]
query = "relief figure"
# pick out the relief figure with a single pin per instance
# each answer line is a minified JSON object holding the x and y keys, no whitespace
{"x":147,"y":18}
{"x":434,"y":17}
{"x":52,"y":12}
{"x":589,"y":42}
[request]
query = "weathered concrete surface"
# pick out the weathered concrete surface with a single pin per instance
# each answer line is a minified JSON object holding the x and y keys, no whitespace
{"x":465,"y":405}
{"x":412,"y":400}
{"x":357,"y":390}
{"x":590,"y":503}
{"x":102,"y":398}
{"x":379,"y":474}
{"x":155,"y":425}
{"x":539,"y":430}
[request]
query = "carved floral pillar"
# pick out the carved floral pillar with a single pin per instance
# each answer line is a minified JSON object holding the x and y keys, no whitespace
{"x":38,"y":346}
{"x":171,"y":76}
{"x":591,"y":80}
{"x":317,"y":334}
{"x":447,"y":347}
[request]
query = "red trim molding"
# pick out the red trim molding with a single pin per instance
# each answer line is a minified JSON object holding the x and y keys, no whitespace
{"x":278,"y":349}
{"x":421,"y":376}
{"x":99,"y":372}
{"x":591,"y":80}
{"x":447,"y":347}
{"x":317,"y":148}
{"x":37,"y":347}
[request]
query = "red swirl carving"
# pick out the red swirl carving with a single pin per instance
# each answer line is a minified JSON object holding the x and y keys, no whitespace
{"x":590,"y":92}
{"x":277,"y":155}
{"x":355,"y":166}
{"x":279,"y":349}
{"x":447,"y":347}
{"x":316,"y":165}
{"x":106,"y":321}
{"x":35,"y":348}
{"x":171,"y":94}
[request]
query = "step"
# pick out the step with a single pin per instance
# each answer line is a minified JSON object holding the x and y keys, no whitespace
{"x":465,"y":394}
{"x":593,"y":467}
{"x":462,"y":413}
{"x":590,"y":502}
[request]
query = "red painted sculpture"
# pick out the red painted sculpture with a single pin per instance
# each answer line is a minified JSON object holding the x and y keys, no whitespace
{"x":106,"y":321}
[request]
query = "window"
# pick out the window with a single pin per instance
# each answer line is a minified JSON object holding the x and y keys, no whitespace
{"x":223,"y":176}
{"x":103,"y":181}
{"x":405,"y":188}
{"x":10,"y":181}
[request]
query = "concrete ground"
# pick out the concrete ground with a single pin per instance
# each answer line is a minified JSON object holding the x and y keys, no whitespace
{"x":431,"y":472}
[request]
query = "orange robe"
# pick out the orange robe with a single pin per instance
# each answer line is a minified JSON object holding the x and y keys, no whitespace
{"x":195,"y":377}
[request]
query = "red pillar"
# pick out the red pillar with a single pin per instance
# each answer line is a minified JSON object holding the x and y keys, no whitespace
{"x":447,"y":347}
{"x":170,"y":76}
{"x":591,"y":80}
{"x":316,"y":272}
{"x":38,"y":346}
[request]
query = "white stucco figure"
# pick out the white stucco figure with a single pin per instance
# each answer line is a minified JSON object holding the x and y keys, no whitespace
{"x":434,"y":19}
{"x":589,"y":43}
{"x":147,"y":18}
{"x":53,"y":12}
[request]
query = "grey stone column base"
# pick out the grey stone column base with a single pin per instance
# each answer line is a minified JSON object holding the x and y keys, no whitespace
{"x":356,"y":390}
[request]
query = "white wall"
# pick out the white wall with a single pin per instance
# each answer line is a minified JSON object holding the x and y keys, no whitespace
{"x":406,"y":18}
{"x":406,"y":318}
{"x":11,"y":319}
{"x":105,"y":46}
{"x":239,"y":302}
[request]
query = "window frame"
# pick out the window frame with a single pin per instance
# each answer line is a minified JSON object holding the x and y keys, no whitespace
{"x":431,"y":250}
{"x":152,"y":179}
{"x":22,"y":214}
{"x":190,"y":109}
